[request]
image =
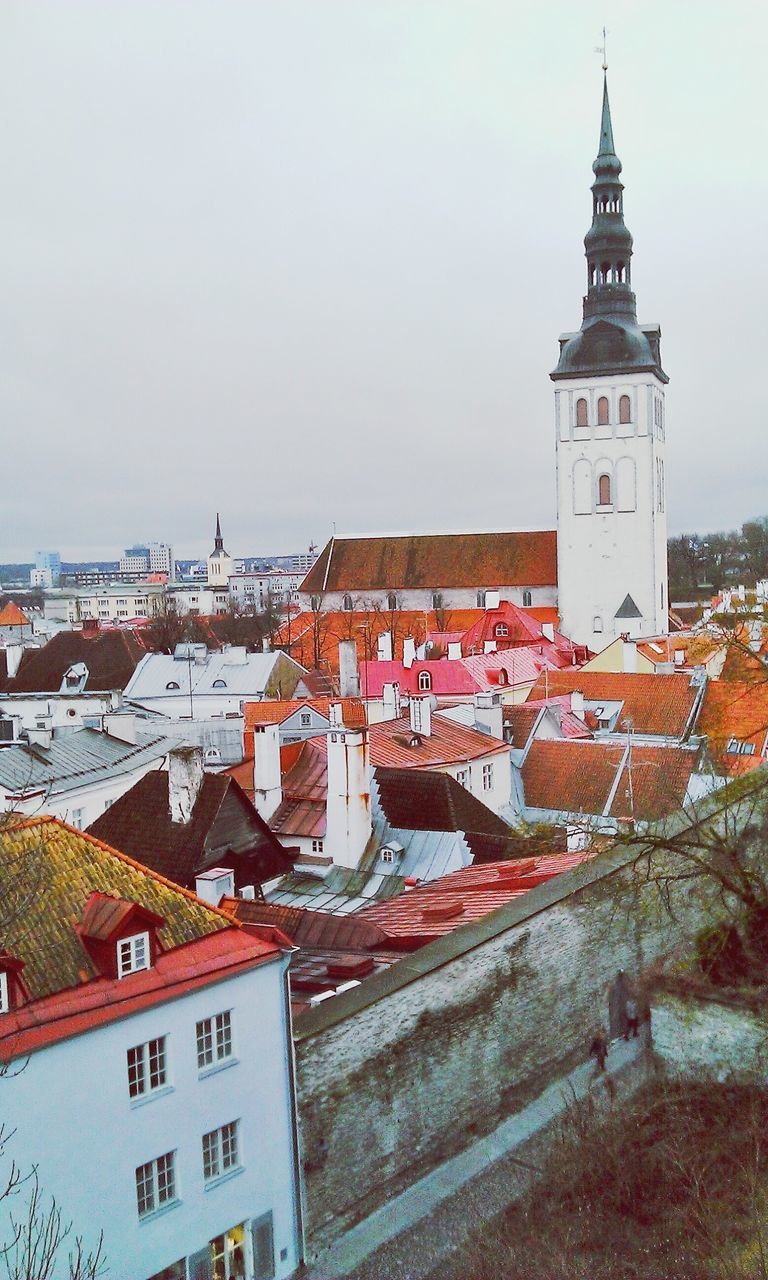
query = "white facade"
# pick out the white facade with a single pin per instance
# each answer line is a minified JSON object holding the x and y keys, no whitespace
{"x":59,"y":711}
{"x":257,"y":590}
{"x":427,"y":599}
{"x":73,"y":1117}
{"x":608,"y":550}
{"x":117,"y":602}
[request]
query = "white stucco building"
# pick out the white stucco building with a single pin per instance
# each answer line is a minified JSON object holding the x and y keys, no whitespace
{"x":610,"y":440}
{"x":156,"y":1099}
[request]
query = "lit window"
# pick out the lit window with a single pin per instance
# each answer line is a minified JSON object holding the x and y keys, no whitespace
{"x":487,"y":777}
{"x":132,"y":954}
{"x":425,"y":681}
{"x":5,"y":1002}
{"x":156,"y":1183}
{"x":214,"y":1040}
{"x":317,"y":846}
{"x":603,"y":411}
{"x":604,"y":491}
{"x":147,"y":1069}
{"x":220,"y":1151}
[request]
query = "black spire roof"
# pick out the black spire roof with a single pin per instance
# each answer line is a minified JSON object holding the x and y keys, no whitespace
{"x":610,"y":340}
{"x":218,"y":544}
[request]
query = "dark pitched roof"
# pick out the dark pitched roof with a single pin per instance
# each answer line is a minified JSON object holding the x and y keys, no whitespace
{"x":308,"y":928}
{"x":225,"y":830}
{"x":420,"y":800}
{"x":436,"y":560}
{"x":110,"y":656}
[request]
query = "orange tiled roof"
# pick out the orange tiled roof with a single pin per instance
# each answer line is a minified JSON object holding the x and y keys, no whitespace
{"x":275,"y":711}
{"x":394,"y":744}
{"x":576,"y":776}
{"x":656,"y":705}
{"x":419,"y":561}
{"x":12,"y":616}
{"x":736,"y":709}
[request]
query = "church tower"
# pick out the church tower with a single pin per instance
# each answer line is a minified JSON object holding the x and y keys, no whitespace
{"x":610,"y":429}
{"x":220,"y":564}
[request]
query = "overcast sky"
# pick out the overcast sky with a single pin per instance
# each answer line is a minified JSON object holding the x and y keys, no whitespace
{"x":306,"y":261}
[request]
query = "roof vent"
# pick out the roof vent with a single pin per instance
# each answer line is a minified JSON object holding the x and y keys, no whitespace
{"x":443,"y":911}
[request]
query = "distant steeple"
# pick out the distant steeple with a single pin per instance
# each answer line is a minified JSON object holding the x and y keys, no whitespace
{"x":218,"y":544}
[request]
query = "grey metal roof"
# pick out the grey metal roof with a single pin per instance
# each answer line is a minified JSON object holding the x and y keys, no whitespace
{"x":245,"y":675}
{"x":74,"y":761}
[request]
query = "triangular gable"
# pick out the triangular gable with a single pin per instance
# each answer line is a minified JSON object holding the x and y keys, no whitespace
{"x":627,"y":608}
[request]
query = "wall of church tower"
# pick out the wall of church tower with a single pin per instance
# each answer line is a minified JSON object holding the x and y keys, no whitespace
{"x":611,"y":507}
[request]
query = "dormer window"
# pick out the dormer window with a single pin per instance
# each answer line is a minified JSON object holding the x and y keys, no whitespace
{"x":133,"y":954}
{"x":502,"y":629}
{"x":172,"y":684}
{"x":425,"y":681}
{"x":219,"y":684}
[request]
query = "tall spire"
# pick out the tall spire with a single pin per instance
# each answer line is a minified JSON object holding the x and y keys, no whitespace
{"x":606,"y":147}
{"x":219,"y":541}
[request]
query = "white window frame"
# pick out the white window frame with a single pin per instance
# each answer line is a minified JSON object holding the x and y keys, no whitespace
{"x":318,"y":846}
{"x":214,"y":1040}
{"x":133,"y":954}
{"x":147,"y":1065}
{"x":5,"y":995}
{"x":462,"y":777}
{"x":156,"y":1184}
{"x":221,"y":1151}
{"x":488,"y":776}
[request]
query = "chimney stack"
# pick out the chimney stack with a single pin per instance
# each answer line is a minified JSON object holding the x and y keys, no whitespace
{"x":421,"y":714}
{"x":409,"y":652}
{"x":215,"y":884}
{"x":185,"y":778}
{"x":548,"y":631}
{"x":267,"y":779}
{"x":629,"y":651}
{"x":391,"y":700}
{"x":489,"y":715}
{"x":577,"y":703}
{"x":349,"y":675}
{"x":384,"y":647}
{"x":348,"y":804}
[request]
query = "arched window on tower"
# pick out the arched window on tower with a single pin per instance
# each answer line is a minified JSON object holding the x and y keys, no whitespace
{"x":604,"y":491}
{"x":592,"y":273}
{"x":392,"y":601}
{"x":582,"y":413}
{"x":625,"y":409}
{"x":619,"y":272}
{"x":527,"y":599}
{"x":346,"y":604}
{"x":605,"y":272}
{"x":603,"y":414}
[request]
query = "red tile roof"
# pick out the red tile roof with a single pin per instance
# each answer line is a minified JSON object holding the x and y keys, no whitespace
{"x":394,"y":743}
{"x":579,"y":777}
{"x":454,"y":677}
{"x":736,"y":709}
{"x":276,"y":711}
{"x":420,"y":915}
{"x":418,"y":561}
{"x":518,"y":627}
{"x":305,"y":788}
{"x":653,"y":704}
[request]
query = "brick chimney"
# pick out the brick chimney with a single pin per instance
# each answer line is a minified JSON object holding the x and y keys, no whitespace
{"x":185,"y":778}
{"x":348,"y":804}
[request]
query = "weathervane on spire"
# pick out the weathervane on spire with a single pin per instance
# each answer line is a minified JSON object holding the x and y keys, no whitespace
{"x":602,"y":48}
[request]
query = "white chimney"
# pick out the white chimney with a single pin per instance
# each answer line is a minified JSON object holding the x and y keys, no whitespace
{"x":42,"y":734}
{"x":185,"y":778}
{"x":492,"y":599}
{"x":454,"y":650}
{"x":421,"y":714}
{"x":741,"y":592}
{"x":548,"y":631}
{"x":391,"y":699}
{"x":215,"y":884}
{"x":489,"y":716}
{"x":13,"y":655}
{"x":349,"y":676}
{"x":267,"y":781}
{"x":577,"y":703}
{"x":489,"y":646}
{"x":409,"y":652}
{"x":348,"y":803}
{"x":120,"y":725}
{"x":629,"y":651}
{"x":384,"y":647}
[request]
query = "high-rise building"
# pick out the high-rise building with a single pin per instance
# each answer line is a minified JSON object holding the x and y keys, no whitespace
{"x":610,"y":433}
{"x":47,"y":570}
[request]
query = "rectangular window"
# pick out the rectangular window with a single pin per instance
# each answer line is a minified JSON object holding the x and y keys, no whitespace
{"x":487,"y":777}
{"x":132,"y":954}
{"x":220,"y":1151}
{"x":462,"y":777}
{"x":214,"y":1040}
{"x":156,"y":1183}
{"x":317,"y":846}
{"x":305,"y":719}
{"x":147,"y":1069}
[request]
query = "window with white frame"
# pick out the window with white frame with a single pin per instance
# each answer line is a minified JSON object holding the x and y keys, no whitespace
{"x":487,"y":777}
{"x":5,"y":1001}
{"x":462,"y":777}
{"x":387,"y":855}
{"x":221,"y":1151}
{"x":739,"y":748}
{"x":317,"y":846}
{"x":147,"y":1067}
{"x":214,"y":1040}
{"x":156,"y":1183}
{"x":132,"y":954}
